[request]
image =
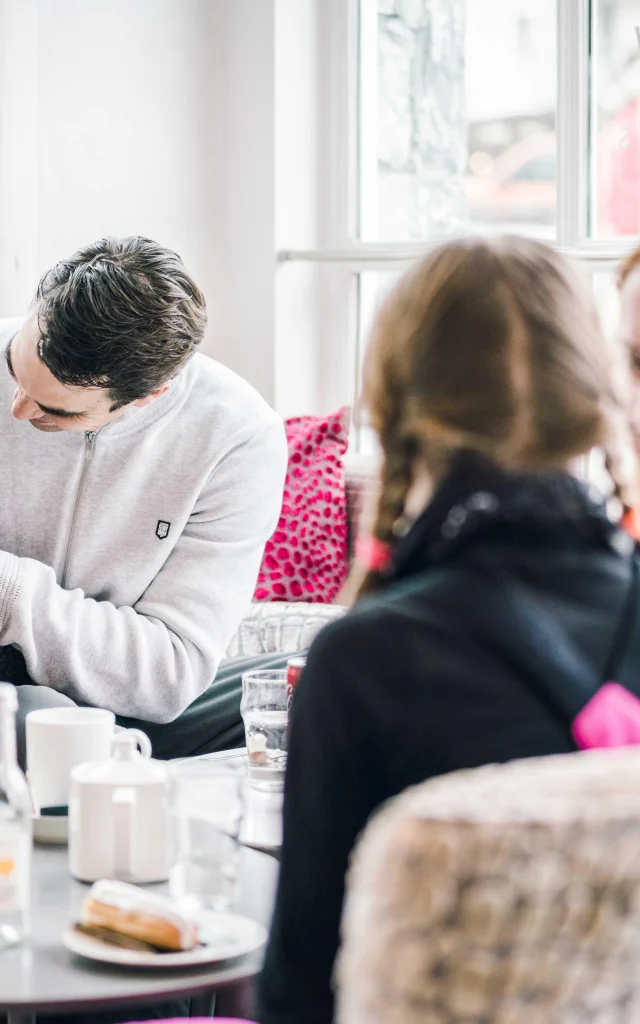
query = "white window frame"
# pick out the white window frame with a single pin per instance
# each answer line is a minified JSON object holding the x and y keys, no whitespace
{"x":340,"y":246}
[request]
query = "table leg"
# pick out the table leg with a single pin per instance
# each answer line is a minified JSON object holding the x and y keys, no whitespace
{"x":237,"y":1000}
{"x":20,"y":1017}
{"x":202,"y":1005}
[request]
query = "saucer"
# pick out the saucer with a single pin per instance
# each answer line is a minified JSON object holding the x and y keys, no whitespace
{"x":224,"y":936}
{"x":50,"y":829}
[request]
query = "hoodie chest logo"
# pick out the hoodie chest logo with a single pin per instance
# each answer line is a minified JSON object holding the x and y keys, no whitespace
{"x":162,"y":529}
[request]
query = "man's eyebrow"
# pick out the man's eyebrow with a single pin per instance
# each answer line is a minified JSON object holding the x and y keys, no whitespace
{"x":61,"y":413}
{"x":64,"y":413}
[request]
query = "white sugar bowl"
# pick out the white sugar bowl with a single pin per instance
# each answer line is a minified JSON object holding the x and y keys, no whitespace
{"x":118,"y":815}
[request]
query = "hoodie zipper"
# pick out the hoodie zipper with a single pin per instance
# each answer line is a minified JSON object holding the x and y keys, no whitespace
{"x":90,"y":439}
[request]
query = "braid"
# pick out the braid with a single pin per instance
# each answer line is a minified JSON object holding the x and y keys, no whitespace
{"x":610,"y":465}
{"x":395,"y":481}
{"x":621,"y":460}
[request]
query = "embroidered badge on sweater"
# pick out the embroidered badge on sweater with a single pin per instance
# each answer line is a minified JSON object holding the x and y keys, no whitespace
{"x":162,"y":529}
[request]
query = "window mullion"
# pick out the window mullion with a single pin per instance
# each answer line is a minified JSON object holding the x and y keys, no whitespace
{"x":573,"y":121}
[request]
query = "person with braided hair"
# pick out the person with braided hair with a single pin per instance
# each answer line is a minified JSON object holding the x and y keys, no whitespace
{"x":498,"y":606}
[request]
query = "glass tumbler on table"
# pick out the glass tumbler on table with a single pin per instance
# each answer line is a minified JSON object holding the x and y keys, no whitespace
{"x":206,"y":805}
{"x":265,"y":703}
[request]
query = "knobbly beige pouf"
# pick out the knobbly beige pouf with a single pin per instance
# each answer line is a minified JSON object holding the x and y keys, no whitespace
{"x":504,"y":895}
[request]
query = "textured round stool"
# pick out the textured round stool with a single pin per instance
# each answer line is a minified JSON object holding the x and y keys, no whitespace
{"x":504,"y":895}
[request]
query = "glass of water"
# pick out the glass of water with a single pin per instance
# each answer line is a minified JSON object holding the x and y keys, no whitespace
{"x":265,"y":710}
{"x":206,"y":804}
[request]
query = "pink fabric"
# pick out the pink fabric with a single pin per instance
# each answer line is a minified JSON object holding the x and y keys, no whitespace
{"x":195,"y":1020}
{"x":374,"y":554}
{"x":306,"y":559}
{"x":610,"y":719}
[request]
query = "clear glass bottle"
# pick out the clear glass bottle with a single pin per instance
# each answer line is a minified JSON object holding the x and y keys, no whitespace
{"x":15,"y":830}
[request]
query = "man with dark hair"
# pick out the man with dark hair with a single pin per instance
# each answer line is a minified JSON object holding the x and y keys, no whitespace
{"x":132,"y":532}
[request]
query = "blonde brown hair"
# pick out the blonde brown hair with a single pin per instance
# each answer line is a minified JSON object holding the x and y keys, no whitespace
{"x":628,"y":265}
{"x":492,"y":347}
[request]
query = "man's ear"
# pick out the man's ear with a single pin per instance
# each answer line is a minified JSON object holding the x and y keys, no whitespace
{"x":141,"y":402}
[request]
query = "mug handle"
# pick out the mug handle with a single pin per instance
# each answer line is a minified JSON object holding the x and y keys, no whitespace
{"x":142,"y":739}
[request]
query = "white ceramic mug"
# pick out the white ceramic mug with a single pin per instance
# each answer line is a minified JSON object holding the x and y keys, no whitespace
{"x":57,"y":740}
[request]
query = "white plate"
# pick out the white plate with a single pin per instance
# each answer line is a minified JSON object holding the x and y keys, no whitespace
{"x":50,"y":829}
{"x":225,"y":936}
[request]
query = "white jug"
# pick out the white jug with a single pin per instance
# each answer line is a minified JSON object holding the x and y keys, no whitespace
{"x":118,"y":815}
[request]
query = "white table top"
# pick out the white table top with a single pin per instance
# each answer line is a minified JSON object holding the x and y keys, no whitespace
{"x":43,"y":976}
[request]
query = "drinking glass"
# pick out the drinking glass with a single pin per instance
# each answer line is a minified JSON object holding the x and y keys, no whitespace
{"x":206,"y":804}
{"x":265,"y":710}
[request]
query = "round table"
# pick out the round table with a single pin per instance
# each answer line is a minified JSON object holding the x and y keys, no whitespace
{"x":43,"y":977}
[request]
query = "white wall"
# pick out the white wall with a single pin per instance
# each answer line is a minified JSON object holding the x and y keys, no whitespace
{"x":19,"y":173}
{"x":297,"y":214}
{"x":246,"y":150}
{"x":151,"y":117}
{"x":315,"y":367}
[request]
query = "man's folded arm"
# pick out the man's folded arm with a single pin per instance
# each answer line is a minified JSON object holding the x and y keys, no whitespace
{"x":152,"y":660}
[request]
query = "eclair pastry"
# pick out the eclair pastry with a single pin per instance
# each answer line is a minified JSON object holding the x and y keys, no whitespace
{"x":142,"y":915}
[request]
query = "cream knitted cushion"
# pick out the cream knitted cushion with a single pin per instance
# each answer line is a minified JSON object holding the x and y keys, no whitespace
{"x":504,"y":895}
{"x":278,"y":627}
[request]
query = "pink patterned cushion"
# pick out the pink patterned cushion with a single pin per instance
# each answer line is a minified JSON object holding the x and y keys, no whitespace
{"x":306,"y":559}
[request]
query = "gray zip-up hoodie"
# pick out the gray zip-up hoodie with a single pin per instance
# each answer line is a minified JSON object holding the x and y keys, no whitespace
{"x":128,"y":557}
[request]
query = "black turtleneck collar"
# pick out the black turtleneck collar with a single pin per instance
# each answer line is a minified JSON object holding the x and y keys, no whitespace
{"x":477,"y":497}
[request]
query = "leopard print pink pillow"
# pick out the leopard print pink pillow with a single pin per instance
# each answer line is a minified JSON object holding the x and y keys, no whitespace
{"x":306,"y":559}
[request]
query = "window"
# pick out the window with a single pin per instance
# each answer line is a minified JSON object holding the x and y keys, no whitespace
{"x":453,"y":116}
{"x":607,"y":299}
{"x":541,"y":168}
{"x":444,"y":139}
{"x":616,"y":118}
